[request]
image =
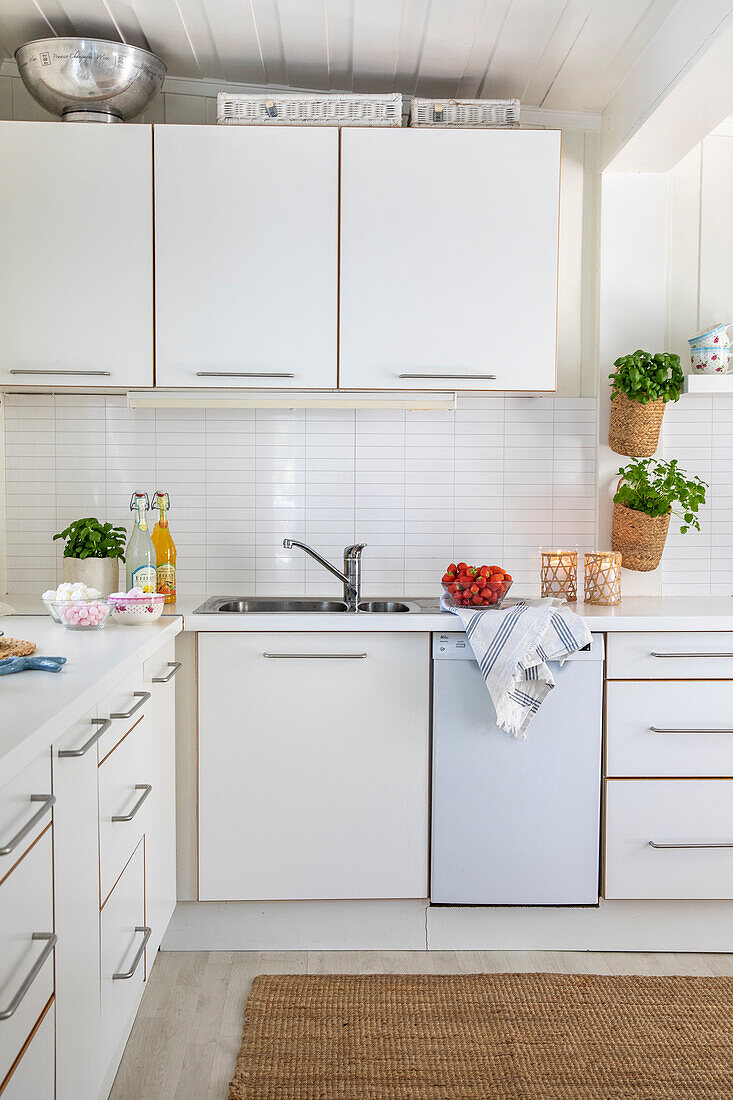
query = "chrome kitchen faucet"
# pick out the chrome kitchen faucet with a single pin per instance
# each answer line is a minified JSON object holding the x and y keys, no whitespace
{"x":351,"y":576}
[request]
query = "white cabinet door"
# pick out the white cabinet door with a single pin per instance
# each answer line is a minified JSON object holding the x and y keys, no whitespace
{"x":449,"y":252}
{"x":313,"y":765}
{"x":669,"y":839}
{"x":160,"y":820}
{"x":246,"y":256}
{"x":122,"y":937}
{"x":76,"y":886}
{"x":26,"y":947}
{"x":32,"y":1078}
{"x":76,"y":278}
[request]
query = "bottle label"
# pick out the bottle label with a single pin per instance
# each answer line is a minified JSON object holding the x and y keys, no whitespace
{"x":144,"y":577}
{"x":166,"y":579}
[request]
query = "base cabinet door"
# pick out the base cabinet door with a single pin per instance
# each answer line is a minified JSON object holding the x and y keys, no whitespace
{"x":32,"y":1078}
{"x":123,"y":935}
{"x":76,"y":879}
{"x":26,"y":947}
{"x":313,"y":766}
{"x":669,"y":839}
{"x":160,"y":810}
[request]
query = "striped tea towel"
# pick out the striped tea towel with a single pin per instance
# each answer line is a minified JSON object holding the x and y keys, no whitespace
{"x":513,"y":645}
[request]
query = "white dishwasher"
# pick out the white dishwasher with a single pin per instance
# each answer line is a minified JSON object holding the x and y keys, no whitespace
{"x":515,"y":822}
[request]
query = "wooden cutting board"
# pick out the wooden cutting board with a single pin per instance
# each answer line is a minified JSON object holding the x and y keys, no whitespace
{"x":14,"y":647}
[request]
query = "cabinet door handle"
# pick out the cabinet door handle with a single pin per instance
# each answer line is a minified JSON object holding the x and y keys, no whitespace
{"x":315,"y":656}
{"x":654,"y":729}
{"x":243,"y":374}
{"x":48,"y":801}
{"x":477,"y":377}
{"x":50,"y":938}
{"x":174,"y":667}
{"x":142,"y":698}
{"x":653,"y":844}
{"x":146,"y":788}
{"x":86,"y":373}
{"x":123,"y":975}
{"x":103,"y":723}
{"x":692,"y":654}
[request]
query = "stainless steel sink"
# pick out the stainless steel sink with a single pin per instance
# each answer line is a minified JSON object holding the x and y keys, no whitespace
{"x":269,"y":605}
{"x":387,"y":607}
{"x":243,"y":605}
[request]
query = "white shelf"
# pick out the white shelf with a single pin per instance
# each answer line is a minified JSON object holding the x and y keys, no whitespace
{"x":709,"y":383}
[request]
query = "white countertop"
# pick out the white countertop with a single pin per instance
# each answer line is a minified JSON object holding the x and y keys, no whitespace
{"x":635,"y":613}
{"x":37,"y":707}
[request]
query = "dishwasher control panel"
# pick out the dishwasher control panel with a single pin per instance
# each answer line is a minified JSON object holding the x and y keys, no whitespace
{"x":451,"y":647}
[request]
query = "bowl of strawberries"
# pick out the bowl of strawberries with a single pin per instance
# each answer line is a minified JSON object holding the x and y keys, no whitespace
{"x":476,"y":585}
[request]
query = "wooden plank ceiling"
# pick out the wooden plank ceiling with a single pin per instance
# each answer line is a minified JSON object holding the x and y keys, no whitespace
{"x":559,"y":54}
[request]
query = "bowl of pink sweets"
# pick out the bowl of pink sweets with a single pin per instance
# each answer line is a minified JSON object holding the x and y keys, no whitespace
{"x":81,"y":614}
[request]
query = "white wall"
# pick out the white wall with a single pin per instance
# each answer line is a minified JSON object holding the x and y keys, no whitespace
{"x":632,"y":310}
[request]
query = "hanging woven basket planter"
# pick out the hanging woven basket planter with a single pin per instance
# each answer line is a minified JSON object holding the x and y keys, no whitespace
{"x":634,"y":428}
{"x":639,"y":538}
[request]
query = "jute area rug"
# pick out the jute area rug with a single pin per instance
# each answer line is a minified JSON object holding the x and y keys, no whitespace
{"x":486,"y":1037}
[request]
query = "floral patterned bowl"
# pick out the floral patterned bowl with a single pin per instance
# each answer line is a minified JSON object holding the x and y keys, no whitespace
{"x":134,"y":610}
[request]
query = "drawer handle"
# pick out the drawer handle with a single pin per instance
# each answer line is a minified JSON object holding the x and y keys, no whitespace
{"x":123,"y":975}
{"x":103,"y":723}
{"x":315,"y":656}
{"x":653,"y":729}
{"x":692,"y":654}
{"x":146,"y":788}
{"x":243,"y":374}
{"x":174,"y":667}
{"x":48,"y":801}
{"x":88,"y":373}
{"x":50,"y":938}
{"x":142,"y":698}
{"x":653,"y":844}
{"x":477,"y":377}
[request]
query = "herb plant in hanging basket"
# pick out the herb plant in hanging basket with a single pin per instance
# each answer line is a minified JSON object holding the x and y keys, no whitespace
{"x":643,"y":506}
{"x":641,"y":386}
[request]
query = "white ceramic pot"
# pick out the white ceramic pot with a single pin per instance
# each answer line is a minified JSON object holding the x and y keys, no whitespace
{"x":100,"y":573}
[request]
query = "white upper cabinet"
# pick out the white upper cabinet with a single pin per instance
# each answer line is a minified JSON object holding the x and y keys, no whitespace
{"x":76,"y":275}
{"x":246,"y":256}
{"x":449,"y":253}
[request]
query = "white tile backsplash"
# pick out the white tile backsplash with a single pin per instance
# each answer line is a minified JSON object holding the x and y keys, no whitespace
{"x":492,"y":482}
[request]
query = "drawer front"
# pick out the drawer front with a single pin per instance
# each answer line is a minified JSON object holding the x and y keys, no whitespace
{"x":122,"y":959}
{"x":669,"y":839}
{"x":124,"y":707}
{"x":670,"y":655}
{"x":32,"y":1077}
{"x":125,"y":786}
{"x":682,"y":728}
{"x":26,"y":909}
{"x":25,"y":810}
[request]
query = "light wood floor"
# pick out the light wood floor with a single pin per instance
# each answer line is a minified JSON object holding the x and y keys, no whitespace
{"x":188,"y":1030}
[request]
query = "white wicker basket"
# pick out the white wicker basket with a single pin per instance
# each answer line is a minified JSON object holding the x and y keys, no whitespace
{"x":502,"y":113}
{"x":304,"y":109}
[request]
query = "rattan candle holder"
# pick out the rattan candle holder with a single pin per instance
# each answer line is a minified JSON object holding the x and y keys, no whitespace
{"x":603,"y":577}
{"x":559,"y":574}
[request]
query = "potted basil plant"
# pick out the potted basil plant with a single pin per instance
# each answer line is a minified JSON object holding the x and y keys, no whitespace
{"x":92,"y":553}
{"x":642,"y":384}
{"x":643,"y":506}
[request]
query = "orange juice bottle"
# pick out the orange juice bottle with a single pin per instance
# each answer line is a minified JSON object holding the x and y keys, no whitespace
{"x":165,"y":549}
